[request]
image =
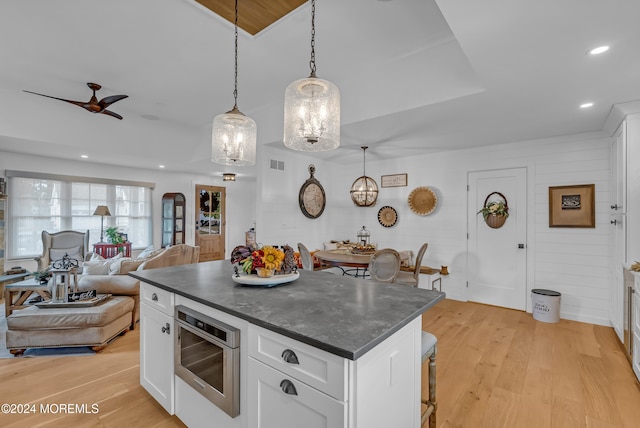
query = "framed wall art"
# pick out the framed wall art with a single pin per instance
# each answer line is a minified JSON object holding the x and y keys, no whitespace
{"x":395,"y":180}
{"x":572,"y":206}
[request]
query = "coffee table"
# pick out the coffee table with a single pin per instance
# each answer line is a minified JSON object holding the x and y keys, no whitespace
{"x":20,"y":291}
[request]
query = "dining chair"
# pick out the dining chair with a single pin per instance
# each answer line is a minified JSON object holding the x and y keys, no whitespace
{"x":429,"y":351}
{"x":305,"y":257}
{"x":384,"y":265}
{"x":412,"y":278}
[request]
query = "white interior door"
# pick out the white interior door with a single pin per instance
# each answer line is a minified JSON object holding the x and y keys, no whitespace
{"x":497,"y":261}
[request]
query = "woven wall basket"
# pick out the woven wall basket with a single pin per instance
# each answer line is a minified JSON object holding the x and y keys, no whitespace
{"x":496,"y":221}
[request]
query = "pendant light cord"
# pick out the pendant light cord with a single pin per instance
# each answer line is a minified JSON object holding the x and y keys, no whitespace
{"x":235,"y":76}
{"x":312,"y":63}
{"x":364,"y":160}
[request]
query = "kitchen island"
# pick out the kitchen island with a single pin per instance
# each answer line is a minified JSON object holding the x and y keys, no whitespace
{"x":356,"y":342}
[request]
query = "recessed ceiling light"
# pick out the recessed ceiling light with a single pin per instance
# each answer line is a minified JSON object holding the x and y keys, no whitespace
{"x":599,"y":50}
{"x":84,"y":156}
{"x":586,"y":105}
{"x":160,"y":166}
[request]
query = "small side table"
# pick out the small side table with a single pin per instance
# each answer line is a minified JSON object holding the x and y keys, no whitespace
{"x":22,"y":290}
{"x":8,"y":279}
{"x":111,"y":250}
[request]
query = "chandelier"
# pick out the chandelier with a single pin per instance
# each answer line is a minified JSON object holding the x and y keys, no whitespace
{"x":312,"y":108}
{"x":364,"y":191}
{"x":233,"y":138}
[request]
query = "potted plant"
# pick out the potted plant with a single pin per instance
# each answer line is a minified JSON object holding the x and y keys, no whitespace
{"x":114,"y":236}
{"x":495,"y":213}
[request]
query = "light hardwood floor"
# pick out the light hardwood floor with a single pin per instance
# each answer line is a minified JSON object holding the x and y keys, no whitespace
{"x":496,"y":368}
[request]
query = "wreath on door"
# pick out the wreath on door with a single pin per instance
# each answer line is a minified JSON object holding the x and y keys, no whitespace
{"x":495,"y":210}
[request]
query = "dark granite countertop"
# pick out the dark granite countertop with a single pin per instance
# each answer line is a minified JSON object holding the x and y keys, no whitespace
{"x":342,"y":315}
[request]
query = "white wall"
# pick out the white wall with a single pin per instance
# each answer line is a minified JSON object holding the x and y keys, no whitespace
{"x":240,"y":194}
{"x":571,"y":261}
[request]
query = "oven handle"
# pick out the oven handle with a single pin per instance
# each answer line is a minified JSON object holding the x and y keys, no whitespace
{"x":288,"y":387}
{"x":204,"y":334}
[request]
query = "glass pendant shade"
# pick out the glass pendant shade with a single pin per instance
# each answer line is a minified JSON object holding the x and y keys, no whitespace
{"x":233,"y":140}
{"x":312,"y":115}
{"x":364,"y":191}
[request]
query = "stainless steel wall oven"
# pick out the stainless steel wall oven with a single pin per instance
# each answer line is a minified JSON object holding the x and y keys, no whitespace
{"x":207,"y":357}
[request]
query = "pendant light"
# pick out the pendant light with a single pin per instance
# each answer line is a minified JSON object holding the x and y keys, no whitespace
{"x":233,"y":139}
{"x":364,"y":191}
{"x":312,"y":108}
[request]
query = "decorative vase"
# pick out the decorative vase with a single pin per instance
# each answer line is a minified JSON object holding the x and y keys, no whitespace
{"x":264,"y":272}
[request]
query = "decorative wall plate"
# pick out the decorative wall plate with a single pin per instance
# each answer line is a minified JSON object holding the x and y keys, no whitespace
{"x":422,"y":200}
{"x":387,"y":216}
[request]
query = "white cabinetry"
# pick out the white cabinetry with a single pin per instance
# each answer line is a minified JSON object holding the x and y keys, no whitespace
{"x":618,"y":221}
{"x":156,"y":344}
{"x":292,"y":384}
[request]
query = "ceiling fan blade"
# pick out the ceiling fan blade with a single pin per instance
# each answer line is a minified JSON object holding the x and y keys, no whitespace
{"x":77,"y":103}
{"x":107,"y":101}
{"x":112,"y":114}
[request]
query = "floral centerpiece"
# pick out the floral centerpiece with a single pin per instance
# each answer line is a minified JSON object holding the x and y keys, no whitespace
{"x":264,"y":261}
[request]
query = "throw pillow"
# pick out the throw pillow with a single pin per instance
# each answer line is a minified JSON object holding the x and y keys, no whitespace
{"x":146,"y":252}
{"x":73,"y":252}
{"x":96,"y":257}
{"x":98,"y":267}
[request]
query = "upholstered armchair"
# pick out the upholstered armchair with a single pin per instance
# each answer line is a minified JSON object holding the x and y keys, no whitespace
{"x":55,"y":245}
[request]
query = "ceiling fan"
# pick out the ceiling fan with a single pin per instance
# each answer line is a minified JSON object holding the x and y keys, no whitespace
{"x":94,"y":106}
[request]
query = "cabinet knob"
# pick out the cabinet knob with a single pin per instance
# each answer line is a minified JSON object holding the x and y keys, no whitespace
{"x":615,"y":207}
{"x":290,"y":357}
{"x":614,"y":222}
{"x":154,"y":297}
{"x":166,"y":328}
{"x":288,"y":387}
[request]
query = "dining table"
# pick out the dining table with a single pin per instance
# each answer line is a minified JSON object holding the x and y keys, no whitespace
{"x":349,"y":263}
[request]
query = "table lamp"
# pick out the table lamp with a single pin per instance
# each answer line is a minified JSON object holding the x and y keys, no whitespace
{"x":102,"y":210}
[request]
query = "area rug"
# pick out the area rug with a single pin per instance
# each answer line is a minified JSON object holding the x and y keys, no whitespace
{"x":39,"y":352}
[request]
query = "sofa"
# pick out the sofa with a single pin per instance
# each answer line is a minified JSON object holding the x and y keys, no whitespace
{"x":116,"y":280}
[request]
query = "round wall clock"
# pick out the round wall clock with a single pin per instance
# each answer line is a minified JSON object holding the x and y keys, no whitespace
{"x":311,"y":197}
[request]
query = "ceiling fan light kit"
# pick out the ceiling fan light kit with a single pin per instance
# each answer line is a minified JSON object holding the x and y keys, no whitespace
{"x":312,"y":109}
{"x":234,"y":135}
{"x":93,"y":105}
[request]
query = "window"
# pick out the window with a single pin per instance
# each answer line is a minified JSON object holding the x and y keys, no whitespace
{"x":53,"y":203}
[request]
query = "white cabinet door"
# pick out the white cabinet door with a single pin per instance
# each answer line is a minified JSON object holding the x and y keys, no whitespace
{"x":156,"y":355}
{"x":278,"y":400}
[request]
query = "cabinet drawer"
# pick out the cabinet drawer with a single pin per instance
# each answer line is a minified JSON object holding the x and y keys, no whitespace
{"x":157,"y":298}
{"x":270,"y":406}
{"x":315,"y":367}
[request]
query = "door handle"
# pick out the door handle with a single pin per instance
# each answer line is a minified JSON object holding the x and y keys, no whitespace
{"x":288,"y":387}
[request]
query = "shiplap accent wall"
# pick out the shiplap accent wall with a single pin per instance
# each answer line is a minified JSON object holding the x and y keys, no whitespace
{"x":571,"y":261}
